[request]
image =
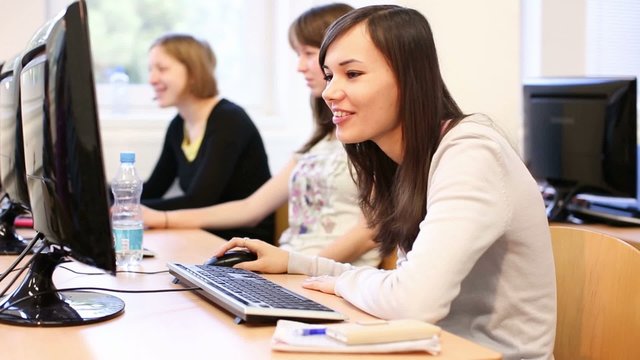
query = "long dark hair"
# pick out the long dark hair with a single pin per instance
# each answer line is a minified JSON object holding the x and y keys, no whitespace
{"x":309,"y":29}
{"x":394,"y":197}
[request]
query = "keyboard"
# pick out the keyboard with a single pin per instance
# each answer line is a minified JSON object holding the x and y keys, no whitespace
{"x":610,"y":210}
{"x":604,"y":214}
{"x":249,"y":296}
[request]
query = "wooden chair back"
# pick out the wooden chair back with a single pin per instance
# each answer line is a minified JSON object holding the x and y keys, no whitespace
{"x":598,"y":286}
{"x":281,"y":222}
{"x":389,"y":261}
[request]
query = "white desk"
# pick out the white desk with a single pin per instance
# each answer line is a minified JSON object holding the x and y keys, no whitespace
{"x":178,"y":325}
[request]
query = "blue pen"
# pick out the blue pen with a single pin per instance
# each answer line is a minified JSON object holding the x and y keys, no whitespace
{"x":313,"y":331}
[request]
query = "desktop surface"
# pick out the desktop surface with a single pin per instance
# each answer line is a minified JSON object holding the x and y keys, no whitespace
{"x":179,"y":324}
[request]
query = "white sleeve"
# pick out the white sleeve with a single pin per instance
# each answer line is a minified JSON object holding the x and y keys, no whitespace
{"x":467,"y":210}
{"x":315,"y":265}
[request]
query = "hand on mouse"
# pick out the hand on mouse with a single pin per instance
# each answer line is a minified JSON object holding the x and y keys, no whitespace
{"x":271,"y":259}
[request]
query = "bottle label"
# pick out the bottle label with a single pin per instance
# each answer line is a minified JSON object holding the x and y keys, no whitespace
{"x":128,"y":239}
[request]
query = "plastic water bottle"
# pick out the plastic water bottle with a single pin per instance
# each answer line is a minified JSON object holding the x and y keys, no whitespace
{"x":126,"y":216}
{"x":119,"y":81}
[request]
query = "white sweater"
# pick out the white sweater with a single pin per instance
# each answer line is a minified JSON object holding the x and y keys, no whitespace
{"x":482,"y":265}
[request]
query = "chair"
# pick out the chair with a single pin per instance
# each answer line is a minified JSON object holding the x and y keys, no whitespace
{"x":281,"y":222}
{"x":389,"y":262}
{"x":598,"y":286}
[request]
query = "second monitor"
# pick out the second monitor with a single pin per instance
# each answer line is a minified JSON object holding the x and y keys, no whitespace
{"x":581,"y":138}
{"x":65,"y":176}
{"x":12,"y":170}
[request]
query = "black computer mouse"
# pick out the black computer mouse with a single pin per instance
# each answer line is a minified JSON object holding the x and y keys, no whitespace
{"x":231,"y":258}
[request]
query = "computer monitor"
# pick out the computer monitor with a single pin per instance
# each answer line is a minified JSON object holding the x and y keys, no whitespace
{"x":1,"y":66}
{"x":12,"y":171}
{"x":580,"y":136}
{"x":65,"y":176}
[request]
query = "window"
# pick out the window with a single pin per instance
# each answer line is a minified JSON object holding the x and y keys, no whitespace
{"x":586,"y":37}
{"x":122,"y":31}
{"x":613,"y":37}
{"x":581,"y":38}
{"x":256,"y":66}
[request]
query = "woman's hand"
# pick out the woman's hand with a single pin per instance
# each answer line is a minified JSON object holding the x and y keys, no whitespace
{"x":153,"y":218}
{"x":271,"y":259}
{"x":324,"y":283}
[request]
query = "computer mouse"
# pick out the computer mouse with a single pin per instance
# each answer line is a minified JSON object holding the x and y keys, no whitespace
{"x":231,"y":258}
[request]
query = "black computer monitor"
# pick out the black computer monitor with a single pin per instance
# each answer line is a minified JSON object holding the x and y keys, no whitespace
{"x":12,"y":171}
{"x":65,"y":176}
{"x":1,"y":191}
{"x":580,"y":137}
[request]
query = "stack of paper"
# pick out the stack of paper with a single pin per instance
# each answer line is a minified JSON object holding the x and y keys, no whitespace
{"x":301,"y":337}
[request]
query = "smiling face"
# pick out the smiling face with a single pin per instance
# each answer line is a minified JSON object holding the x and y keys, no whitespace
{"x":362,"y":92}
{"x":309,"y":68}
{"x":168,"y":77}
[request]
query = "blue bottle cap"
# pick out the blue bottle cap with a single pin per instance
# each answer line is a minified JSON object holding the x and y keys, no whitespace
{"x":128,"y":157}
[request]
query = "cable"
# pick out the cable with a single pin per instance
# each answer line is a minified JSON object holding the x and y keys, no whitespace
{"x":24,"y":252}
{"x":25,"y":298}
{"x":118,"y":272}
{"x":14,"y":269}
{"x":101,"y":273}
{"x":143,"y":272}
{"x":85,"y":288}
{"x":17,"y":276}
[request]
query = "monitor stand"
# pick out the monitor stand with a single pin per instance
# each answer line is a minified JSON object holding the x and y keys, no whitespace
{"x":50,"y":307}
{"x":10,"y":242}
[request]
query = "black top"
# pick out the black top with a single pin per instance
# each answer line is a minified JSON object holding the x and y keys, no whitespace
{"x":231,"y":164}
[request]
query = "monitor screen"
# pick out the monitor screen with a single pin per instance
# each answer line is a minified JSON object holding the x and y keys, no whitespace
{"x":580,"y":137}
{"x":65,"y":174}
{"x":12,"y":171}
{"x":1,"y":66}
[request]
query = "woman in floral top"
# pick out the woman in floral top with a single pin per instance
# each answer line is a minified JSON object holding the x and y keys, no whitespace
{"x":324,"y":216}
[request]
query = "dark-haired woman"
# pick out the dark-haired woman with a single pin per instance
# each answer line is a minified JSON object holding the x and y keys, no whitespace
{"x":447,"y":189}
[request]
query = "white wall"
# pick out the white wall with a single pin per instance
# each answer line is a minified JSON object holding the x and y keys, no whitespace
{"x":479,"y":51}
{"x":20,"y":20}
{"x":562,"y":38}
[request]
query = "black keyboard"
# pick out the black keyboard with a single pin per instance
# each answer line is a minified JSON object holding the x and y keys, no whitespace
{"x":249,"y":296}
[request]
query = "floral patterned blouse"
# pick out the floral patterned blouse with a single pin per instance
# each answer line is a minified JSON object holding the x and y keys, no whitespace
{"x":323,"y":201}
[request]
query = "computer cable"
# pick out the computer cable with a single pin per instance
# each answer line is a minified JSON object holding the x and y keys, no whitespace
{"x":24,"y":253}
{"x":12,"y":270}
{"x":100,"y":273}
{"x":117,"y":272}
{"x":17,"y":276}
{"x":8,"y":306}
